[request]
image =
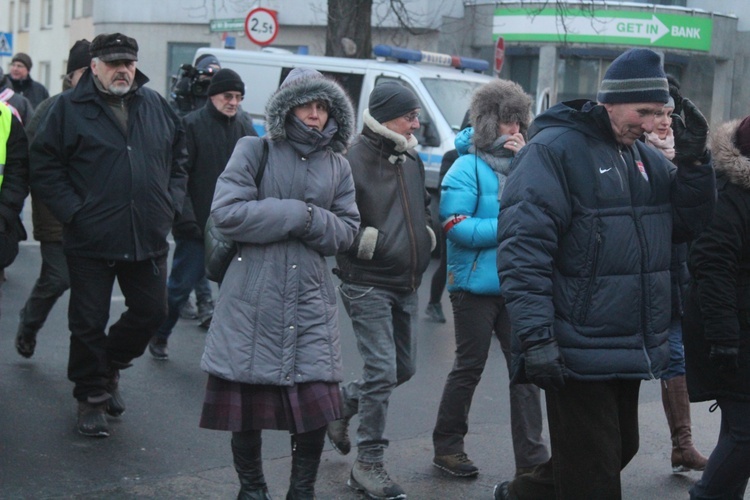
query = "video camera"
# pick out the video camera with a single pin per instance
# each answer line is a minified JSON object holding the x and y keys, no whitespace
{"x":197,"y":86}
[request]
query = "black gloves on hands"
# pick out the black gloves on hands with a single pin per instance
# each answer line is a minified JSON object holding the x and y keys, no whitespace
{"x":544,"y":365}
{"x":690,"y":135}
{"x":724,"y":358}
{"x":189,"y":229}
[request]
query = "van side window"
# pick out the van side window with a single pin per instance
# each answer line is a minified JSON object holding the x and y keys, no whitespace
{"x":352,"y":84}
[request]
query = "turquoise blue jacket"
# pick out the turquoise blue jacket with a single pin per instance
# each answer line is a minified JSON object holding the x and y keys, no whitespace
{"x":468,"y":212}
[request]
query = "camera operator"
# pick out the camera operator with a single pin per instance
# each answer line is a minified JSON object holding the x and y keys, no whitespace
{"x":190,"y":91}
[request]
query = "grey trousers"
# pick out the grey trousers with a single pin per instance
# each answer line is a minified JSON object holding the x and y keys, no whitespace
{"x":384,"y":323}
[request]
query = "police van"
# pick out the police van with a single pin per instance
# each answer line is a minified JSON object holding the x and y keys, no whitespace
{"x":443,"y":83}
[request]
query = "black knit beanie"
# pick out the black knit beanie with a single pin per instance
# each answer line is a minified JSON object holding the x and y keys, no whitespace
{"x":226,"y":80}
{"x":390,"y":100}
{"x":635,"y":76}
{"x":79,"y":56}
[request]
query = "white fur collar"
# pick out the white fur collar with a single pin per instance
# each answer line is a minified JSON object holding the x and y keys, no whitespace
{"x":401,"y":143}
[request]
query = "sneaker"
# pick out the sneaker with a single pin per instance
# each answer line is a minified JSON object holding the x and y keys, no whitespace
{"x":435,"y":312}
{"x":188,"y":310}
{"x":115,"y":404}
{"x":458,"y":465}
{"x":205,"y":313}
{"x":158,"y":348}
{"x":374,"y":481}
{"x":25,"y":344}
{"x":92,"y":420}
{"x":338,"y":434}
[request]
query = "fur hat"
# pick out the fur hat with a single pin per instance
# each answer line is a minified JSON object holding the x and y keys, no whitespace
{"x":635,"y":76}
{"x":390,"y":100}
{"x":24,"y":59}
{"x":496,"y":102}
{"x":79,"y":56}
{"x":114,"y":47}
{"x":226,"y":80}
{"x":303,"y":85}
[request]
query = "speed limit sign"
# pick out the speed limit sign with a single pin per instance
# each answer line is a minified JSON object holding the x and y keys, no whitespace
{"x":261,"y":26}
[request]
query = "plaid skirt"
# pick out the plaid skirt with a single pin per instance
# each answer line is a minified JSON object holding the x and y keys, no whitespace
{"x":237,"y":407}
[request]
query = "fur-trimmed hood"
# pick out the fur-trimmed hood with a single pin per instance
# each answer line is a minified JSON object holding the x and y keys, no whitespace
{"x":499,"y":101}
{"x":301,"y":86}
{"x":726,"y":155}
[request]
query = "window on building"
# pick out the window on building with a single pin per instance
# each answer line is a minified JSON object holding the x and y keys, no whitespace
{"x":11,"y":18}
{"x":44,"y":73}
{"x":578,"y":78}
{"x":23,"y":15}
{"x":87,"y":8}
{"x":47,"y":13}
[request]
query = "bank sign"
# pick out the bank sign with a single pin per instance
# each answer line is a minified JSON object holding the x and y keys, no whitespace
{"x":650,"y":29}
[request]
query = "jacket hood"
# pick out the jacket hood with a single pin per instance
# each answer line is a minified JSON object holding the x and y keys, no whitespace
{"x":581,"y":115}
{"x":302,"y":86}
{"x":464,"y":140}
{"x":500,"y":101}
{"x":727,"y":158}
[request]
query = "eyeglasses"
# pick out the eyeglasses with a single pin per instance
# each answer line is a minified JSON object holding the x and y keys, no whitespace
{"x":231,"y":97}
{"x":411,"y":117}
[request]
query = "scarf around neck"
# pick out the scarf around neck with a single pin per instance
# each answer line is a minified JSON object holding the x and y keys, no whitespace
{"x":498,"y":158}
{"x":666,"y":146}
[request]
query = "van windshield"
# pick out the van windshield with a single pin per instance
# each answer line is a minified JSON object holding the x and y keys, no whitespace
{"x":453,"y":97}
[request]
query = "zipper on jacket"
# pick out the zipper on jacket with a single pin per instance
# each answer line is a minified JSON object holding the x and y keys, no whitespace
{"x":647,"y":299}
{"x":410,"y":226}
{"x":592,"y":278}
{"x":625,"y":164}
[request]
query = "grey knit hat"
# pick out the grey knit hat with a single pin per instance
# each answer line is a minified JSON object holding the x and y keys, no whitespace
{"x":635,"y":76}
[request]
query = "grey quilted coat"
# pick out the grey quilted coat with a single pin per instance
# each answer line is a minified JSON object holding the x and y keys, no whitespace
{"x":276,"y":318}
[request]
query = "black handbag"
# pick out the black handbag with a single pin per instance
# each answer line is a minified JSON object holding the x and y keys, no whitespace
{"x":219,"y":249}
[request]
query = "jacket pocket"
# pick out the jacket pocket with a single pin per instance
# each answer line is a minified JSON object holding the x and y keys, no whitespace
{"x":588,"y":291}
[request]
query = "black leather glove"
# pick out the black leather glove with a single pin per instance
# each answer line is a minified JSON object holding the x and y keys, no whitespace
{"x":690,"y":135}
{"x":544,"y":365}
{"x":674,"y":91}
{"x":724,"y":358}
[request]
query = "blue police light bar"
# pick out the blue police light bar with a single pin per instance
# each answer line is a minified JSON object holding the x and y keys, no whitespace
{"x":411,"y":55}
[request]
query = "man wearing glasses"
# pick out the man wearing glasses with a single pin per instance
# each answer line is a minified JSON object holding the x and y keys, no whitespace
{"x":109,"y":162}
{"x":380,"y":276}
{"x":211,"y":134}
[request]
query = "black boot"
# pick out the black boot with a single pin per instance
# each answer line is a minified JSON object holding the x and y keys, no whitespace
{"x":306,"y":450}
{"x":248,"y":463}
{"x":115,"y":405}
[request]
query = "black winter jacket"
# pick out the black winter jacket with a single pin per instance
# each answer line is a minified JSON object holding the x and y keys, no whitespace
{"x":211,"y":137}
{"x":14,"y":190}
{"x":115,"y":193}
{"x":718,"y":301}
{"x":585,"y":237}
{"x":392,"y":248}
{"x":32,"y":90}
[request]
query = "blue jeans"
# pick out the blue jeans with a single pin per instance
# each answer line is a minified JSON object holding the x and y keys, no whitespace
{"x":53,"y":281}
{"x":384,"y":323}
{"x":676,"y":365}
{"x":728,"y":467}
{"x":477,"y":318}
{"x":188,"y":268}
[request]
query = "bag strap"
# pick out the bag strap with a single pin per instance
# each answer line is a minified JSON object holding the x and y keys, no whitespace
{"x":262,"y":167}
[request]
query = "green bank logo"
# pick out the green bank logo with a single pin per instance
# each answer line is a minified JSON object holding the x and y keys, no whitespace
{"x":649,"y":29}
